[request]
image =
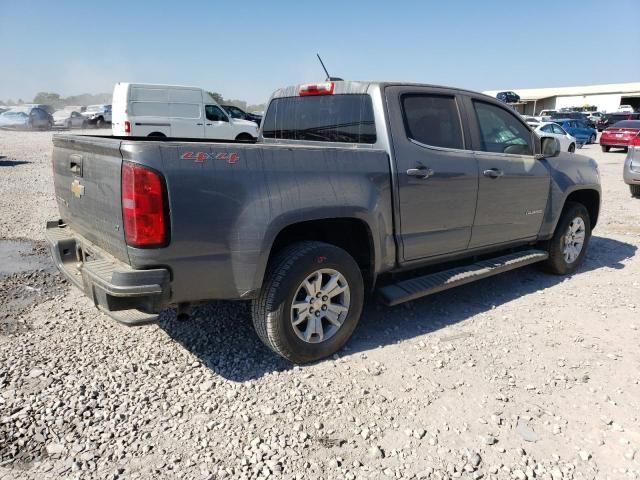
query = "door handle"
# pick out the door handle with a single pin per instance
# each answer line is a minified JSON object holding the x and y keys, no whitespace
{"x":420,"y":172}
{"x":198,"y":124}
{"x":493,"y":173}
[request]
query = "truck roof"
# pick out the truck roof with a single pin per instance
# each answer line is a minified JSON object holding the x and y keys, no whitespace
{"x":342,"y":87}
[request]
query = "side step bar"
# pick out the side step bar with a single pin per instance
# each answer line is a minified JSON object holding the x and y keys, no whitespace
{"x":413,"y":288}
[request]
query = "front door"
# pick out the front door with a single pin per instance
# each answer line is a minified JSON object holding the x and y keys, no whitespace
{"x":513,"y":185}
{"x":437,"y":176}
{"x":217,"y":124}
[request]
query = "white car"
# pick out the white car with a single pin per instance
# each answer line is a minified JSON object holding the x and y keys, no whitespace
{"x":144,"y":110}
{"x":626,"y":109}
{"x":98,"y":115}
{"x":550,"y":129}
{"x":69,"y":119}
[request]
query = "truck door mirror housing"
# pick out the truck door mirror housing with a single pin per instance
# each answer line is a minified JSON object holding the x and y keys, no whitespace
{"x":550,"y":147}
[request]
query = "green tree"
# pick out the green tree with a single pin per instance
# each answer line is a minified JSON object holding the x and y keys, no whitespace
{"x":217,"y":97}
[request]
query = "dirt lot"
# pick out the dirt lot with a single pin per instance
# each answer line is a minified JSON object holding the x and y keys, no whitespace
{"x":520,"y":376}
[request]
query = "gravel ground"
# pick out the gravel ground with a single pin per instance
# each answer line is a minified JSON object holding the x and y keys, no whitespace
{"x":520,"y":376}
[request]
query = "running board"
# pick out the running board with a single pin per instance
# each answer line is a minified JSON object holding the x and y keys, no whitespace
{"x":413,"y":288}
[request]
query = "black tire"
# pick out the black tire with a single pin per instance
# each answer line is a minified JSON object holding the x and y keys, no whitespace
{"x":572,"y":148}
{"x":271,"y":311}
{"x":157,"y":135}
{"x":625,"y":149}
{"x":635,"y":190}
{"x":100,"y":122}
{"x":593,"y":138}
{"x":69,"y":125}
{"x":556,"y":262}
{"x":85,"y":124}
{"x":245,"y":137}
{"x":605,"y":148}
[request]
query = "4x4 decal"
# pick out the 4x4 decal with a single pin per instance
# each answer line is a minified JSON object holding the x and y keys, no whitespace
{"x":200,"y":157}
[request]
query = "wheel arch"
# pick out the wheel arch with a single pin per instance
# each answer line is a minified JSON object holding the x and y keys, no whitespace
{"x":353,"y":233}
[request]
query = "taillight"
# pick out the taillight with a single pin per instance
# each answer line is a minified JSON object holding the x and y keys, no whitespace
{"x":310,"y":89}
{"x":143,"y":208}
{"x":127,"y":126}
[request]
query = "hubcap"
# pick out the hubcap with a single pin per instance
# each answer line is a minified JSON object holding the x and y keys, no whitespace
{"x":574,"y":240}
{"x":320,"y":306}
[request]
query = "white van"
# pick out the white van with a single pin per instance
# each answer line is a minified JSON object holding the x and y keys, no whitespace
{"x":144,"y":110}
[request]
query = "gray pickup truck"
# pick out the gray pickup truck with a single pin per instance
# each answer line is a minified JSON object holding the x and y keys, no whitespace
{"x":352,"y":188}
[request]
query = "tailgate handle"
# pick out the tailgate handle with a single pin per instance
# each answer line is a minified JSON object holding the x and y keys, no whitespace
{"x":75,"y":164}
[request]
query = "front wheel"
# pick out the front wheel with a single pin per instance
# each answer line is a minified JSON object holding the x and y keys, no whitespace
{"x":593,"y":138}
{"x":572,"y":148}
{"x":605,"y":148}
{"x":310,"y":302}
{"x":100,"y":123}
{"x":635,"y":190}
{"x":569,"y":244}
{"x":245,"y":137}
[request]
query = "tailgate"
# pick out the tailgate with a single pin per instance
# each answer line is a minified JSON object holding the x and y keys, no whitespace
{"x":86,"y":173}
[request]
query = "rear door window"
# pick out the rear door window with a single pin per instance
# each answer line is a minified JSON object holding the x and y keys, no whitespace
{"x":322,"y":118}
{"x":432,"y":120}
{"x":500,"y":131}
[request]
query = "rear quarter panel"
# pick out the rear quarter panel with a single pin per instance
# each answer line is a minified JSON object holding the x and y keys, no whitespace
{"x":229,"y":203}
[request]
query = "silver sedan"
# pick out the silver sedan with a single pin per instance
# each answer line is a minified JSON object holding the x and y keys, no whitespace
{"x":69,"y":119}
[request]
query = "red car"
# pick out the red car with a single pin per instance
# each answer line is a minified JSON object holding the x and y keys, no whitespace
{"x":620,"y":135}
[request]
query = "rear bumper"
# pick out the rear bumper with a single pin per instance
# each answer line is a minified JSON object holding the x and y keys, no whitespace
{"x":133,"y":297}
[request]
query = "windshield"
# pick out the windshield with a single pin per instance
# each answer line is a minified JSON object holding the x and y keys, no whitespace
{"x":94,"y":108}
{"x":233,"y":111}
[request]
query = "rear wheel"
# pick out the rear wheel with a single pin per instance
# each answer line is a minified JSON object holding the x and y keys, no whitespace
{"x":157,"y":135}
{"x":572,"y":148}
{"x":100,"y":122}
{"x":310,"y":302}
{"x":569,"y":244}
{"x":605,"y":148}
{"x":635,"y":190}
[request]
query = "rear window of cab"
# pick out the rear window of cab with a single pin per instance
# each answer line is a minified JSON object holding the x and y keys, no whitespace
{"x":346,"y":118}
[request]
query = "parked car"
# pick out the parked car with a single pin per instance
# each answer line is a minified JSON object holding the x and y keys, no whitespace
{"x":579,"y":129}
{"x":545,"y":115}
{"x":567,"y":142}
{"x":533,"y":122}
{"x":631,"y":170}
{"x":594,"y":117}
{"x":28,"y":118}
{"x":620,"y":135}
{"x":612,"y":118}
{"x":69,"y":119}
{"x":238,"y":113}
{"x":508,"y":97}
{"x":329,"y":204}
{"x":582,"y":116}
{"x":98,"y":115}
{"x":144,"y":110}
{"x":626,"y":109}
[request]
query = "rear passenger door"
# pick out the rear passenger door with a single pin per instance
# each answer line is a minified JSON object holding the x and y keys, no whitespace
{"x":437,"y":176}
{"x":513,"y":186}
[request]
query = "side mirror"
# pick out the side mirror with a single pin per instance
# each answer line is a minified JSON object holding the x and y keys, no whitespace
{"x":550,"y":147}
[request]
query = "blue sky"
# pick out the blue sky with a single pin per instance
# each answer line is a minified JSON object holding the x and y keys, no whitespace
{"x":247,"y":49}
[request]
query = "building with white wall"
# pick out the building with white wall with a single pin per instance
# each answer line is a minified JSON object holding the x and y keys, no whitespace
{"x":606,"y":98}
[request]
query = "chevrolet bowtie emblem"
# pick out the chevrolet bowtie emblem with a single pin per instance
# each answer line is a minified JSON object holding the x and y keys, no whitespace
{"x":77,"y":189}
